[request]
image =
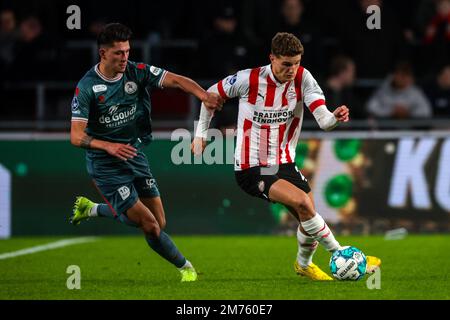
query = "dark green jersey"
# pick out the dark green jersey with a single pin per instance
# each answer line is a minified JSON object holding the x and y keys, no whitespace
{"x":117,"y":110}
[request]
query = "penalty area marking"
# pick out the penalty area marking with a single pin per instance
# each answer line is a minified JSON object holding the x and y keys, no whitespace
{"x":48,"y":246}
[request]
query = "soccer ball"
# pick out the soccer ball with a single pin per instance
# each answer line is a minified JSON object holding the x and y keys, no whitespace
{"x":348,"y":263}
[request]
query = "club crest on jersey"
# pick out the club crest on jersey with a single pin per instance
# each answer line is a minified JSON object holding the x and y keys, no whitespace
{"x":155,"y":70}
{"x":75,"y":104}
{"x":130,"y":87}
{"x":99,"y":88}
{"x":291,"y":93}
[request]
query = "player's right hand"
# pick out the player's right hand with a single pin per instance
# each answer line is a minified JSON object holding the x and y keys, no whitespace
{"x":121,"y":151}
{"x":213,"y":101}
{"x":198,"y":145}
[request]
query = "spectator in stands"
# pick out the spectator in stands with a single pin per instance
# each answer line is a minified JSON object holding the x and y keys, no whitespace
{"x":224,"y":50}
{"x":296,"y":20}
{"x":398,"y":97}
{"x":8,"y":38}
{"x":338,"y":88}
{"x":438,"y":93}
{"x":437,"y":36}
{"x":35,"y":53}
{"x":361,"y":43}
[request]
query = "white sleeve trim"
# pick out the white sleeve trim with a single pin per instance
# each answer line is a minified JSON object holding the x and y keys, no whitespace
{"x":326,"y":119}
{"x":79,"y":119}
{"x":161,"y":80}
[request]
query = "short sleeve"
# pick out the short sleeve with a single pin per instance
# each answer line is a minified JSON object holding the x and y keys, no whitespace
{"x":231,"y":86}
{"x":81,"y":103}
{"x":313,"y":95}
{"x":153,"y":76}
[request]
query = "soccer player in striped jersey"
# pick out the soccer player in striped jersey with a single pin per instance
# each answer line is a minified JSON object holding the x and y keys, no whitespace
{"x":271,"y":100}
{"x":111,"y":119}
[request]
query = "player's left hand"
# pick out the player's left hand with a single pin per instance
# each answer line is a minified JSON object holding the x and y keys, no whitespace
{"x":213,"y":101}
{"x":342,"y":114}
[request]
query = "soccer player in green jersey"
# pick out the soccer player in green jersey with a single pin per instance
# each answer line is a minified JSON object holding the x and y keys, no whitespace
{"x":111,"y":120}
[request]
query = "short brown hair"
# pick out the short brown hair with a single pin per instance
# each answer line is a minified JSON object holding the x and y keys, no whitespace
{"x":113,"y":32}
{"x":286,"y":44}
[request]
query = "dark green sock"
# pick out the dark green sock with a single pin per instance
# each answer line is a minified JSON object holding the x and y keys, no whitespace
{"x":165,"y":247}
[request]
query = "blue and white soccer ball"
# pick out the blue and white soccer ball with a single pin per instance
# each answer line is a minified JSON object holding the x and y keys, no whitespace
{"x":348,"y":263}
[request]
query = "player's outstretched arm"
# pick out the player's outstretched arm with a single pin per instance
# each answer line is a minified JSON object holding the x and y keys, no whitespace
{"x":230,"y":87}
{"x":80,"y":139}
{"x":209,"y":99}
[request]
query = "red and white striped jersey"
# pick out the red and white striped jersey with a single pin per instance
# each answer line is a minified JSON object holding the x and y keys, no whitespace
{"x":270,"y":114}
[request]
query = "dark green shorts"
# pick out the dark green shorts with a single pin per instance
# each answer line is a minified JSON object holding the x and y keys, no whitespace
{"x":122,"y":183}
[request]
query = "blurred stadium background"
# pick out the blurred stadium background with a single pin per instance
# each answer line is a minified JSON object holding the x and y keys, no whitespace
{"x":387,"y":169}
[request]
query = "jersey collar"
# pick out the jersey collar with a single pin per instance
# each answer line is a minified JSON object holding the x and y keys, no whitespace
{"x":103,"y":77}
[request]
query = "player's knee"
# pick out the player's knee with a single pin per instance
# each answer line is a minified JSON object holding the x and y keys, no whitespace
{"x":162,"y":223}
{"x":303,"y":207}
{"x":151,"y":227}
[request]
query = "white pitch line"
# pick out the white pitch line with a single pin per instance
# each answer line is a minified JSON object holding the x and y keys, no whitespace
{"x":48,"y":246}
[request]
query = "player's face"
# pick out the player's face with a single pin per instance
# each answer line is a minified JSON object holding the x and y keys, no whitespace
{"x":115,"y":58}
{"x":285,"y":68}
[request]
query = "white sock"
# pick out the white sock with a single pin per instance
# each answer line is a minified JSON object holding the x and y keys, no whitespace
{"x":318,"y":229}
{"x":188,"y":264}
{"x":93,"y":212}
{"x":306,"y":248}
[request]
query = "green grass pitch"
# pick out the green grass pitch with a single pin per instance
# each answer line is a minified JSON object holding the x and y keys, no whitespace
{"x":231,"y":267}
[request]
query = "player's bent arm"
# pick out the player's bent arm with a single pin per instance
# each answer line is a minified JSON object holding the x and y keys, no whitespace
{"x":329,"y":120}
{"x":326,"y":119}
{"x":80,"y":139}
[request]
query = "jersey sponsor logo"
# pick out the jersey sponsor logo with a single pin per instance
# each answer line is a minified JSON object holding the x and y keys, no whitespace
{"x":232,"y":80}
{"x":124,"y":192}
{"x":130,"y":87}
{"x":113,"y":109}
{"x":156,"y":71}
{"x":115,"y":119}
{"x":272,"y":116}
{"x":75,"y":105}
{"x":99,"y":88}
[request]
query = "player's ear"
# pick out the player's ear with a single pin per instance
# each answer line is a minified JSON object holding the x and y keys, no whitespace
{"x":271,"y":57}
{"x":102,"y":52}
